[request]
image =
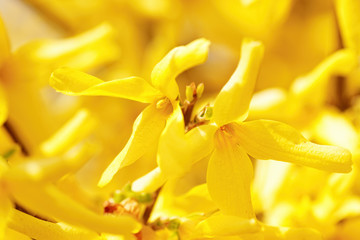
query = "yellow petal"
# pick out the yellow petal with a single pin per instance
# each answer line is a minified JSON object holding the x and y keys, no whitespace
{"x":332,"y":127}
{"x":197,"y":200}
{"x":76,"y":83}
{"x":48,"y":201}
{"x":146,"y":132}
{"x":301,"y":233}
{"x":149,"y":182}
{"x":270,"y":104}
{"x":175,"y":62}
{"x":4,"y":43}
{"x":5,"y":211}
{"x":76,"y":129}
{"x":226,"y":225}
{"x":309,"y":89}
{"x":84,"y":51}
{"x":44,"y":230}
{"x":179,"y":151}
{"x":266,"y":139}
{"x":229,"y":176}
{"x":348,"y":19}
{"x":14,"y":235}
{"x":50,"y":169}
{"x":233,"y":101}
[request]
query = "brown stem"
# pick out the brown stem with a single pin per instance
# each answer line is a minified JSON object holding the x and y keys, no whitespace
{"x":342,"y":101}
{"x":15,"y":137}
{"x":150,"y":208}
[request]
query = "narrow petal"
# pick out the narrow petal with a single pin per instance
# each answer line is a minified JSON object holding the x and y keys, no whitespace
{"x":333,"y":128}
{"x":197,"y":199}
{"x":270,"y":104}
{"x":50,"y":169}
{"x":76,"y":129}
{"x":308,"y":90}
{"x":83,"y":51}
{"x":226,"y":225}
{"x":233,"y":101}
{"x":47,"y":200}
{"x":149,"y":182}
{"x":178,"y":150}
{"x":76,"y":83}
{"x":265,"y":139}
{"x":229,"y":176}
{"x":348,"y":19}
{"x":44,"y":230}
{"x":146,"y":132}
{"x":5,"y":211}
{"x":176,"y":61}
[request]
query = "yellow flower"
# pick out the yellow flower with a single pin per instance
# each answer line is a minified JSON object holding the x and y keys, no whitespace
{"x":31,"y":184}
{"x":230,"y":170}
{"x":307,"y":95}
{"x":162,"y":93}
{"x":25,"y":72}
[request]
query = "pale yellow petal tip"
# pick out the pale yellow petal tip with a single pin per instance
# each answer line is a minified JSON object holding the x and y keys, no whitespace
{"x":149,"y":182}
{"x":197,"y":50}
{"x":71,"y":81}
{"x":201,"y":44}
{"x":252,"y":46}
{"x":109,"y":173}
{"x":105,"y":179}
{"x":55,"y":80}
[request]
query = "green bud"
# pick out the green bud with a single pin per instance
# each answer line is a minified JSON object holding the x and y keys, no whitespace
{"x":200,"y":90}
{"x":174,"y":224}
{"x":127,"y":188}
{"x":189,"y":92}
{"x":144,"y":198}
{"x":118,"y":196}
{"x":208,"y":113}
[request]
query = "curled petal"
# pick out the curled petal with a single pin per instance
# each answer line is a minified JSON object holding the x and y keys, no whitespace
{"x":73,"y":131}
{"x":233,"y":101}
{"x":43,"y":230}
{"x":46,"y":200}
{"x":146,"y":132}
{"x":266,"y":139}
{"x":76,"y":83}
{"x":178,"y":150}
{"x":84,"y":51}
{"x":176,"y":61}
{"x":309,"y":89}
{"x":229,"y":176}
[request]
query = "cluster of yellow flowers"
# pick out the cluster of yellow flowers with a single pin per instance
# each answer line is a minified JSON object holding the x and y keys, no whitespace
{"x":181,"y":144}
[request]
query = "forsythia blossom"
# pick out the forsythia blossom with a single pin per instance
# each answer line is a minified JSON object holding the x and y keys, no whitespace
{"x":272,"y":153}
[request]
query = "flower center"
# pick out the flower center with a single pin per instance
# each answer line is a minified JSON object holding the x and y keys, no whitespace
{"x":226,"y":136}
